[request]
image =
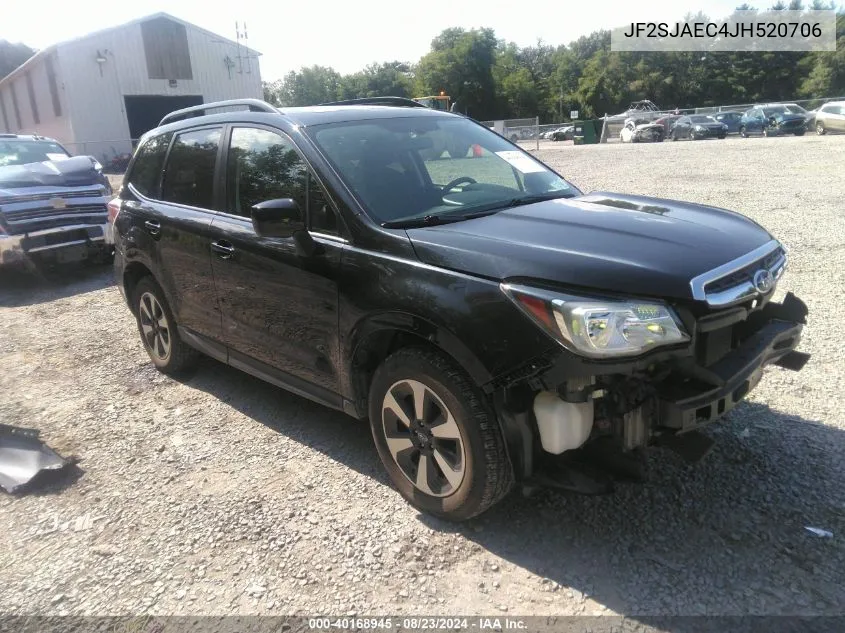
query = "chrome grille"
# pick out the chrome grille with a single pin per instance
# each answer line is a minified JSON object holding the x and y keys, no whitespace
{"x":745,"y":274}
{"x":39,"y":197}
{"x":733,"y":282}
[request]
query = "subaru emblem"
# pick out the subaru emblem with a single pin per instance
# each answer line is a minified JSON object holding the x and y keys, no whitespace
{"x":763,"y":281}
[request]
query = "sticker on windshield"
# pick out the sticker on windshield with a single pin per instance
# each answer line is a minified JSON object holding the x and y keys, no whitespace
{"x":521,"y":162}
{"x":57,"y":156}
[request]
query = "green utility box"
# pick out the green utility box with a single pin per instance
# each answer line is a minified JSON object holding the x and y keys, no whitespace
{"x":585,"y":132}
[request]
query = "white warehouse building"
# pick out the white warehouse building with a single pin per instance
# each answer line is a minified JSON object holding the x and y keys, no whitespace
{"x":98,"y":93}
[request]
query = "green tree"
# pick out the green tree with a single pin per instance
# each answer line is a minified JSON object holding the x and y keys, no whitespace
{"x":12,"y":56}
{"x":461,"y":64}
{"x":391,"y":79}
{"x":309,"y":86}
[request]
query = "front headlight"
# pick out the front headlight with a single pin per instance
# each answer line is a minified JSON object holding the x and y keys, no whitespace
{"x":599,"y":328}
{"x":699,"y":128}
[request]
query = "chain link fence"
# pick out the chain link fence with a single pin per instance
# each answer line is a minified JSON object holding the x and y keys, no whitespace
{"x":522,"y":131}
{"x":610,"y":125}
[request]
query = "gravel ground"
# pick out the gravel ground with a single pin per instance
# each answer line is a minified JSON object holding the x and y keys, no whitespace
{"x":223,"y":495}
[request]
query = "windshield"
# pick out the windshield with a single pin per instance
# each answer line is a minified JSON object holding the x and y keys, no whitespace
{"x":700,"y":118}
{"x":436,"y":168}
{"x":23,"y":152}
{"x":774,"y":110}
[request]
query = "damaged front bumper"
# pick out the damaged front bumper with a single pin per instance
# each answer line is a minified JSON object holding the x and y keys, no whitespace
{"x":566,"y":402}
{"x":64,"y":243}
{"x":705,"y":396}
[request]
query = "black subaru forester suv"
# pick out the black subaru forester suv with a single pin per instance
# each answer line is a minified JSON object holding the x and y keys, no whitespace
{"x":413,"y":267}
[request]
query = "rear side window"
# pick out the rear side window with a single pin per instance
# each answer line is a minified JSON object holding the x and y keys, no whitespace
{"x":145,"y":175}
{"x":189,"y":175}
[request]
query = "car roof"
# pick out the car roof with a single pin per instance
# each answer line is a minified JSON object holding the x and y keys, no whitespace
{"x":26,"y":137}
{"x":305,"y":116}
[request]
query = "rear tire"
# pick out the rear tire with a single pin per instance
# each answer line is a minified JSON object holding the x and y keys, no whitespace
{"x":157,"y":327}
{"x":437,"y":435}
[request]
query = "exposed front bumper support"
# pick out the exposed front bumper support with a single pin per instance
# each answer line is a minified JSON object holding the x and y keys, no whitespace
{"x":735,"y":375}
{"x":18,"y":247}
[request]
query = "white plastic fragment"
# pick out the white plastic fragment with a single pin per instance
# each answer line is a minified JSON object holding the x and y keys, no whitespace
{"x":819,"y":532}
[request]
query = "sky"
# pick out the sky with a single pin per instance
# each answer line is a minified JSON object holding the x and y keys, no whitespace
{"x":347,"y":35}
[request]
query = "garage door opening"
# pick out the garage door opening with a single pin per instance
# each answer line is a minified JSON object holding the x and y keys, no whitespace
{"x":145,"y":111}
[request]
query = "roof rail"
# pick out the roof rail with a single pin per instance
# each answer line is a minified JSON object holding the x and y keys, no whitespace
{"x":254,"y":105}
{"x":383,"y":101}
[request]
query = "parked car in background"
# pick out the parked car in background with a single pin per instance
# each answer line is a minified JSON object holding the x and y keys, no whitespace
{"x":730,"y":118}
{"x":641,"y":131}
{"x":830,"y":117}
{"x":565,"y":133}
{"x":488,"y":319}
{"x":668,"y":122}
{"x":792,"y":108}
{"x":698,"y":126}
{"x":52,"y":204}
{"x":772,"y":121}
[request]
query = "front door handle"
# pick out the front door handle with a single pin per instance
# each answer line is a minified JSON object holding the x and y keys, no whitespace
{"x":223,"y":249}
{"x":153,"y":228}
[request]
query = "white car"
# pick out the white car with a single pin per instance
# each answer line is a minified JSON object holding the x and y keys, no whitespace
{"x":830,"y":117}
{"x":639,"y":131}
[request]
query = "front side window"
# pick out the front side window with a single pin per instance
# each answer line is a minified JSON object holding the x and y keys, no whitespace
{"x":189,"y":175}
{"x":264,"y":165}
{"x":145,"y":175}
{"x":24,"y":152}
{"x":433,"y":168}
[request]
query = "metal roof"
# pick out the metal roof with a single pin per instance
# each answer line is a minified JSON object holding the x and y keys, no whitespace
{"x":161,"y":14}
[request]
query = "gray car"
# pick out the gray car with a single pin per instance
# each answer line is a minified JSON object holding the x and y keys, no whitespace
{"x":53,"y":206}
{"x":830,"y":118}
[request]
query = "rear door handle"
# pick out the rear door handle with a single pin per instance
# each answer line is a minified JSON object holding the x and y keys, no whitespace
{"x":153,"y":228}
{"x":223,"y":249}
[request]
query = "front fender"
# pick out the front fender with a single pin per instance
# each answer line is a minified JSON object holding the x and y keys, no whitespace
{"x":424,"y":329}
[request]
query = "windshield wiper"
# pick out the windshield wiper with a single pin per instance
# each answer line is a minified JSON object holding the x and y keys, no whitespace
{"x":413,"y":223}
{"x":478,"y":212}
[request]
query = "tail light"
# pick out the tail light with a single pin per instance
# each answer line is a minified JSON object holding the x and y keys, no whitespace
{"x":113,"y":208}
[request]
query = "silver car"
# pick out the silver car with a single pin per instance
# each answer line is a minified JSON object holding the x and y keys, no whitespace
{"x":830,"y":117}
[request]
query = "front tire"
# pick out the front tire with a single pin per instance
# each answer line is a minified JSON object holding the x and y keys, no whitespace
{"x":820,"y":129}
{"x":437,"y":435}
{"x":743,"y":132}
{"x":157,"y":328}
{"x":691,"y":135}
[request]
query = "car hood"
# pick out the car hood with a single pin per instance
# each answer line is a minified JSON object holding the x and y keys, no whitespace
{"x":70,"y":172}
{"x":605,"y":241}
{"x":647,"y":126}
{"x":783,"y":117}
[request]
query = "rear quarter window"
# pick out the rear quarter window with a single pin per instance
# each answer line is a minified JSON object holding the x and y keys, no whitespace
{"x":145,"y":175}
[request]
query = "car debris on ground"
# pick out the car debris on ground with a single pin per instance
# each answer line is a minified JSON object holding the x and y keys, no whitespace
{"x":23,"y":456}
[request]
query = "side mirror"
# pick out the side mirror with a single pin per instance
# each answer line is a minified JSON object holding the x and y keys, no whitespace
{"x":277,"y":218}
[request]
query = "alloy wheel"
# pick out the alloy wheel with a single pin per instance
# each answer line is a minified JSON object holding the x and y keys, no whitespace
{"x":423,"y":438}
{"x":154,"y":326}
